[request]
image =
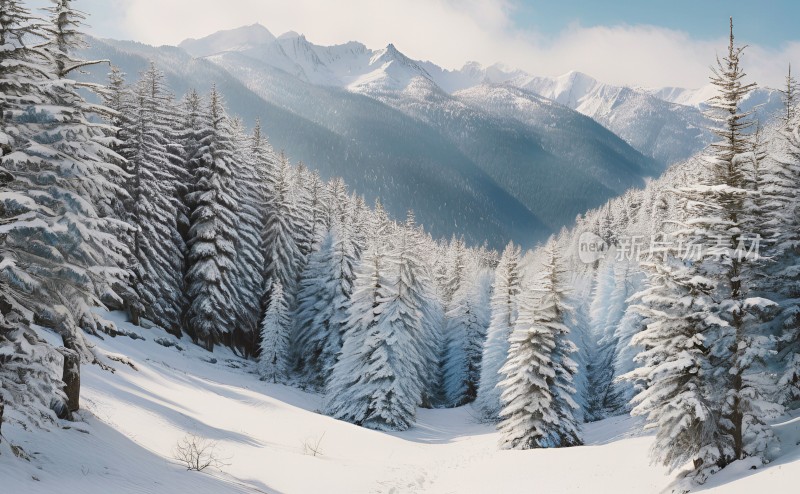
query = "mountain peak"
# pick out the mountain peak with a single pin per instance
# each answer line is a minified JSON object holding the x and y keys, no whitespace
{"x":238,"y":39}
{"x":291,"y":35}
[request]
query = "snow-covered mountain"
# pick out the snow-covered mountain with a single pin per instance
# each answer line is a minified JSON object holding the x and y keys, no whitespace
{"x":666,"y":131}
{"x":385,"y":124}
{"x":491,"y":152}
{"x":544,"y":174}
{"x":765,"y":101}
{"x":666,"y":124}
{"x":351,"y":65}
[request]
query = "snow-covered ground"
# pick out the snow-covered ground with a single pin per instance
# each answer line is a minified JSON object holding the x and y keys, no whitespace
{"x":132,"y":419}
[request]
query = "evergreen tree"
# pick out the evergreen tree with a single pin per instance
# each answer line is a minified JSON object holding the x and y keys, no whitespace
{"x":503,"y":316}
{"x":273,"y":363}
{"x":249,"y":189}
{"x":703,"y":363}
{"x":782,"y":208}
{"x":538,"y":409}
{"x":156,"y":244}
{"x":323,"y":302}
{"x":58,"y":159}
{"x":281,"y":252}
{"x":780,"y":224}
{"x":302,"y":205}
{"x":789,"y":94}
{"x":413,"y":305}
{"x":675,"y":366}
{"x":59,"y":253}
{"x":212,"y":235}
{"x":371,"y":385}
{"x":465,"y":335}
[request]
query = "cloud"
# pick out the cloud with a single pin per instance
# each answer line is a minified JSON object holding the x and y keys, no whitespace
{"x":449,"y":33}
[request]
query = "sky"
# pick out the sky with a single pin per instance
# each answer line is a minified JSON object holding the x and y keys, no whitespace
{"x":641,"y":43}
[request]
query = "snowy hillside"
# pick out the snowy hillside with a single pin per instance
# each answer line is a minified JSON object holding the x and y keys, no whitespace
{"x":133,"y":417}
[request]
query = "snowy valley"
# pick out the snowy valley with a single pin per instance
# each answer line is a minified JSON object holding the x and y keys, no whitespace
{"x":133,"y":419}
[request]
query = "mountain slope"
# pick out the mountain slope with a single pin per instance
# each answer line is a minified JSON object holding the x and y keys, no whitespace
{"x":665,"y":131}
{"x":554,"y":178}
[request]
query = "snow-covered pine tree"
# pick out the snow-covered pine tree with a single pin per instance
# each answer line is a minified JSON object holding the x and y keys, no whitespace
{"x":740,"y":349}
{"x":675,"y":365}
{"x":455,"y":266}
{"x":312,"y":318}
{"x":212,"y":235}
{"x":465,"y":335}
{"x":704,"y":350}
{"x":615,"y":276}
{"x":782,"y":207}
{"x":301,"y":204}
{"x":413,"y":306}
{"x":249,"y":190}
{"x":156,"y":244}
{"x":580,"y":334}
{"x":371,"y":384}
{"x":599,"y":371}
{"x":315,"y":188}
{"x":789,"y":95}
{"x":273,"y":361}
{"x":335,"y":201}
{"x":282,"y":255}
{"x":322,"y":305}
{"x":58,"y":251}
{"x":28,"y":381}
{"x":64,"y":160}
{"x":622,"y":390}
{"x":780,"y":224}
{"x":538,"y":408}
{"x":505,"y":291}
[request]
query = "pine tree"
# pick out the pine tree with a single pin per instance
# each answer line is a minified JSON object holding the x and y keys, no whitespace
{"x":538,"y":409}
{"x":156,"y":244}
{"x":370,"y":384}
{"x":414,"y":306}
{"x":704,"y":347}
{"x":250,"y":190}
{"x":58,"y":247}
{"x":789,"y":94}
{"x":630,"y":325}
{"x":465,"y":335}
{"x":782,"y":208}
{"x":302,"y":205}
{"x":212,"y":235}
{"x":323,"y":302}
{"x":607,"y":316}
{"x":676,"y":365}
{"x":273,"y":362}
{"x":780,"y":224}
{"x":281,"y":252}
{"x":504,"y":313}
{"x":62,"y":163}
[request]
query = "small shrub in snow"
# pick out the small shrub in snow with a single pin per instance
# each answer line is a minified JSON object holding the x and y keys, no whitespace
{"x":198,"y":453}
{"x":312,"y":447}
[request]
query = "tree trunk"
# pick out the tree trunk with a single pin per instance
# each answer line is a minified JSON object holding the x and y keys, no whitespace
{"x":71,"y":376}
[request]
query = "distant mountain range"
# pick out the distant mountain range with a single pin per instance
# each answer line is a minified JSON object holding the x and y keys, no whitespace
{"x":488,"y":152}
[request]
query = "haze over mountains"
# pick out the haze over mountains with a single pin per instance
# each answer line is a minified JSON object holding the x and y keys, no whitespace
{"x":488,"y":152}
